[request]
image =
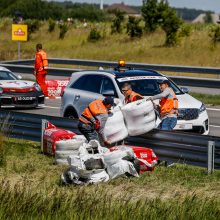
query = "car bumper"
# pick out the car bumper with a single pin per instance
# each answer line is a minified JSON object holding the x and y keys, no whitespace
{"x":24,"y":100}
{"x":199,"y":125}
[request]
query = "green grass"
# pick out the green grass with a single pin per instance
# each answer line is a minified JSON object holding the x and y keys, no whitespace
{"x":195,"y":50}
{"x":30,"y":188}
{"x":207,"y":99}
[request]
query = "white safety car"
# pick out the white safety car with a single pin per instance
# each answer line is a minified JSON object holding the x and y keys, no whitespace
{"x":86,"y":86}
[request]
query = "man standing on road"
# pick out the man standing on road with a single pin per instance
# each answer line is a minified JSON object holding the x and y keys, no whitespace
{"x":41,"y":68}
{"x":130,"y":95}
{"x":93,"y":119}
{"x":168,"y":105}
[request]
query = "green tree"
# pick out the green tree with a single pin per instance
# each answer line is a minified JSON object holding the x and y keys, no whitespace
{"x":208,"y":18}
{"x":170,"y":23}
{"x":214,"y":34}
{"x":159,"y":14}
{"x":85,"y":11}
{"x":133,"y":27}
{"x":52,"y":25}
{"x":117,"y":22}
{"x":151,"y":15}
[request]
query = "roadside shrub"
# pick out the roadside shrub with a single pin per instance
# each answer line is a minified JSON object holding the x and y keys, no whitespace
{"x":185,"y":30}
{"x":117,"y":22}
{"x":214,"y":34}
{"x":4,"y":23}
{"x":33,"y":26}
{"x":52,"y":25}
{"x":94,"y":35}
{"x":133,"y":27}
{"x":63,"y":29}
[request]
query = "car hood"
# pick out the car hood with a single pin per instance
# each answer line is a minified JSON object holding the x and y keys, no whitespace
{"x":16,"y":84}
{"x":187,"y":101}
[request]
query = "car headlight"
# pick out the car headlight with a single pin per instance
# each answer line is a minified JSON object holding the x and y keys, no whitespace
{"x":37,"y":87}
{"x":1,"y":90}
{"x":202,"y":108}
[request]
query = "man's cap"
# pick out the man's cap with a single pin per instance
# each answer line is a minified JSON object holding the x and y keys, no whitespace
{"x":109,"y":101}
{"x":161,"y":81}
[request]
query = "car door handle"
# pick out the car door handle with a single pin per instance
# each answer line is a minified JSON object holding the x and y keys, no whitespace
{"x":77,"y":97}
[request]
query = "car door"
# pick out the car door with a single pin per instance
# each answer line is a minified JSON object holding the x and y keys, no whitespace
{"x":86,"y":91}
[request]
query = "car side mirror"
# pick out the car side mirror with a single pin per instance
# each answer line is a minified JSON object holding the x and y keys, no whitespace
{"x":108,"y":93}
{"x":184,"y":89}
{"x":19,"y":77}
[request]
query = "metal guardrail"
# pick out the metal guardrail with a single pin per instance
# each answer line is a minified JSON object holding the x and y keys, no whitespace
{"x":16,"y":66}
{"x":172,"y":146}
{"x":96,"y":63}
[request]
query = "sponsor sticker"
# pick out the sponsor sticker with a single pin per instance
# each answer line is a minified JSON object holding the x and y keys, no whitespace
{"x":131,"y":78}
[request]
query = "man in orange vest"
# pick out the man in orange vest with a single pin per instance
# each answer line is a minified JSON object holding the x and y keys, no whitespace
{"x":168,"y":105}
{"x":130,"y":95}
{"x":41,"y":68}
{"x":93,"y":119}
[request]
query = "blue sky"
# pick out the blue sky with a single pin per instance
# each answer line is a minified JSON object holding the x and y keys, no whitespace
{"x":213,"y":5}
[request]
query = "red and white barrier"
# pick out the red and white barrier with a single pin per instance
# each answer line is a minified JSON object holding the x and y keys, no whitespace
{"x":56,"y":87}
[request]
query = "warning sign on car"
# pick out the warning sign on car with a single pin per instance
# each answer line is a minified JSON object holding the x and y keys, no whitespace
{"x":19,"y":32}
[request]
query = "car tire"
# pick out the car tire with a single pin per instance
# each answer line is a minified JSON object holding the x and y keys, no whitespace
{"x":71,"y":113}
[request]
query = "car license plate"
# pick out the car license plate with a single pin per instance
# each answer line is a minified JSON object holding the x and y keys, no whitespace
{"x":25,"y":98}
{"x":184,"y":126}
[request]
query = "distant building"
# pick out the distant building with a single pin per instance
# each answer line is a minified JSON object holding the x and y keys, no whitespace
{"x":124,"y":8}
{"x":201,"y":18}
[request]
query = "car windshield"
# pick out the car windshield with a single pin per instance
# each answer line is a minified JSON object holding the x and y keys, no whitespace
{"x":6,"y":75}
{"x":146,"y":87}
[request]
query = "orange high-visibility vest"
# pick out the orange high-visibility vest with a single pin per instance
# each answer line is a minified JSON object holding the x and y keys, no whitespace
{"x":95,"y":108}
{"x":169,"y":106}
{"x":41,"y":61}
{"x":134,"y":96}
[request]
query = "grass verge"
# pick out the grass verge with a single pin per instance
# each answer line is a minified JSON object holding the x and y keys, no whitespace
{"x":30,"y":189}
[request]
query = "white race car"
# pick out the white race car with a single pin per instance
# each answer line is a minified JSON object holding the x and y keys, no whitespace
{"x":17,"y":93}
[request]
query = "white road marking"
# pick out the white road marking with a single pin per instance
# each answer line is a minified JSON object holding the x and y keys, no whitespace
{"x":214,"y":126}
{"x":213,"y":109}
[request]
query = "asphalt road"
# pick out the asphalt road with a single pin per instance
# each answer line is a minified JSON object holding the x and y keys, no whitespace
{"x":52,"y":108}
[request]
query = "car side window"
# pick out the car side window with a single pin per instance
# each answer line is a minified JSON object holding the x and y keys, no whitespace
{"x":91,"y":83}
{"x":108,"y":86}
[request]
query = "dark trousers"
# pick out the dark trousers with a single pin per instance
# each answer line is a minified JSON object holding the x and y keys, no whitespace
{"x":89,"y":132}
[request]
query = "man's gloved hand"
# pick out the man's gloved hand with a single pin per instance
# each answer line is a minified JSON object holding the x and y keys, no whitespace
{"x":97,"y":125}
{"x":107,"y":143}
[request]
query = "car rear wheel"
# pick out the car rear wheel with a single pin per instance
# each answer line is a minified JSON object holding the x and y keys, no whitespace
{"x":71,"y":113}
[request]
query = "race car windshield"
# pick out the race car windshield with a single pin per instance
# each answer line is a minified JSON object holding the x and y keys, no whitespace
{"x":146,"y":87}
{"x":5,"y":75}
